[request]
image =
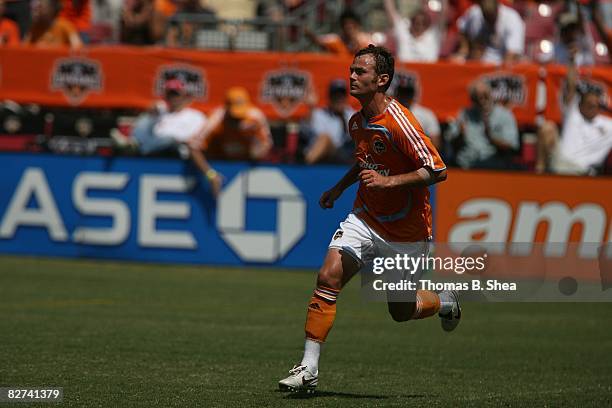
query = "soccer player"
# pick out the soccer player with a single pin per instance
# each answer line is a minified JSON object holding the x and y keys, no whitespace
{"x":395,"y":162}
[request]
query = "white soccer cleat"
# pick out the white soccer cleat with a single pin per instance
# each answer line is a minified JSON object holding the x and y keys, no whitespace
{"x":300,"y":380}
{"x":450,"y":320}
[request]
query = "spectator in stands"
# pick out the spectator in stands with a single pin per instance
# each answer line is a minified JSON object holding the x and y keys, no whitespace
{"x":574,"y":44}
{"x":20,"y":11}
{"x":9,"y":30}
{"x":137,"y":20}
{"x":405,"y":94}
{"x":329,"y":140}
{"x":416,"y":39}
{"x":78,"y":12}
{"x":586,"y":139}
{"x":236,"y":131}
{"x":106,"y":15}
{"x":49,"y":29}
{"x":597,"y":15}
{"x":487,"y":131}
{"x":170,"y":126}
{"x":181,"y":33}
{"x":491,"y":32}
{"x":351,"y":39}
{"x":167,"y":126}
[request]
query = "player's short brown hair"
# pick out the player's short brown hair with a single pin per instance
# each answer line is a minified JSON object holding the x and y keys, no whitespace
{"x":385,"y":63}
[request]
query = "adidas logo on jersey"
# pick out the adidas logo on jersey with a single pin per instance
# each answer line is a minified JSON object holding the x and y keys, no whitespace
{"x":355,"y":126}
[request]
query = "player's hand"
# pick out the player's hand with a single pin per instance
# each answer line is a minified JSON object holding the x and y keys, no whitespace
{"x":329,"y":197}
{"x":215,"y":180}
{"x":372,"y":179}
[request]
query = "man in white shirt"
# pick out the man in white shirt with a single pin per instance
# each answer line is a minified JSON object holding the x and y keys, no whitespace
{"x":416,"y":39}
{"x":491,"y":32}
{"x":168,"y":124}
{"x":586,"y":139}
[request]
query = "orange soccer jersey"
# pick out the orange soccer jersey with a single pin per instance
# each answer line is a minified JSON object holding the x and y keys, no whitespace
{"x":394,"y":143}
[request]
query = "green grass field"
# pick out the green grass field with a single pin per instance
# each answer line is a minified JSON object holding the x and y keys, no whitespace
{"x":122,"y":334}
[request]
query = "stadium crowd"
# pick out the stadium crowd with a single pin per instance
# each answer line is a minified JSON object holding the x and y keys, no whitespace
{"x":484,"y":134}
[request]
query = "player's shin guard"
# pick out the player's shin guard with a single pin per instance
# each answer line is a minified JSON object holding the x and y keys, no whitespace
{"x":427,"y":304}
{"x":321,"y":313}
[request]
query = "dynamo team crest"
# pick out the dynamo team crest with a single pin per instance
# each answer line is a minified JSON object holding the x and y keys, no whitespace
{"x":76,"y":77}
{"x":285,"y":89}
{"x":583,"y":86}
{"x":507,"y":88}
{"x":193,"y":77}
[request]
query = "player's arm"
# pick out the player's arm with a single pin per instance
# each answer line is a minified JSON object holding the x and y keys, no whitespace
{"x":391,"y":10}
{"x":322,"y":147}
{"x":214,"y":179}
{"x":330,"y":196}
{"x":424,"y":176}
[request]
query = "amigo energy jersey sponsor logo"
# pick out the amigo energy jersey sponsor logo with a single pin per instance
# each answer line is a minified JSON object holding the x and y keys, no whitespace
{"x":369,"y":164}
{"x":76,"y":77}
{"x":285,"y":89}
{"x":193,"y":77}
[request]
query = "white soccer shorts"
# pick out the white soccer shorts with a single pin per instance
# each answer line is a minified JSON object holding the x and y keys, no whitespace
{"x":364,"y":244}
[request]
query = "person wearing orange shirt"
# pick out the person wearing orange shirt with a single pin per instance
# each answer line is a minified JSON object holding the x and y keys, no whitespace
{"x":78,"y":12}
{"x":236,"y":131}
{"x":49,"y":29}
{"x":351,"y":39}
{"x":9,"y":30}
{"x":395,"y":162}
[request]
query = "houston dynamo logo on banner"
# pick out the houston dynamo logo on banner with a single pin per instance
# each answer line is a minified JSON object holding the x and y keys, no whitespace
{"x":193,"y":77}
{"x":76,"y":77}
{"x":583,"y":86}
{"x":507,"y":88}
{"x":285,"y":89}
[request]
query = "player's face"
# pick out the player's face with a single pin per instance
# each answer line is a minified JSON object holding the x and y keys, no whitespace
{"x":363,"y":79}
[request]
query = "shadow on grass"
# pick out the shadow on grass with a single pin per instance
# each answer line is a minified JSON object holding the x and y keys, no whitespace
{"x":325,"y":394}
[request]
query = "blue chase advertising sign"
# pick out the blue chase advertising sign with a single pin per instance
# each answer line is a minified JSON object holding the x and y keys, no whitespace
{"x":160,"y":210}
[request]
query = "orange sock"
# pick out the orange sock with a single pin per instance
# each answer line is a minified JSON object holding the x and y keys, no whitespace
{"x":427,"y":304}
{"x":321,"y":313}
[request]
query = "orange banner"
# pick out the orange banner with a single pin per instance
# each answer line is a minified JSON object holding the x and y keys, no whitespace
{"x":528,"y":224}
{"x":129,"y":77}
{"x":516,"y":207}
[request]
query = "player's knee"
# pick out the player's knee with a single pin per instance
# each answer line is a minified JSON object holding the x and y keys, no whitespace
{"x":329,"y":279}
{"x":402,"y":312}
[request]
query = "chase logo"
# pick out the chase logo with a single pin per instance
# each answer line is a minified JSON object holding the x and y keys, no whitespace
{"x":506,"y":88}
{"x":76,"y":78}
{"x":261,"y":246}
{"x":285,"y":89}
{"x":193,"y":78}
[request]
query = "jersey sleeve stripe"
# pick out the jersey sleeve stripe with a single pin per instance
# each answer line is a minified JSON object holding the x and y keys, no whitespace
{"x":410,"y":136}
{"x":418,"y":137}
